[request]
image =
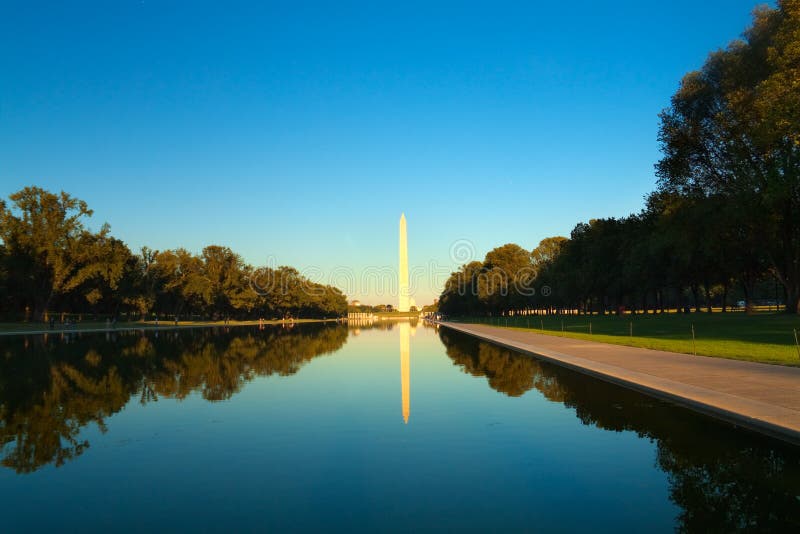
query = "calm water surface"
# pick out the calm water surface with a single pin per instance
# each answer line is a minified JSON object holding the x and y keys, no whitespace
{"x":389,"y":427}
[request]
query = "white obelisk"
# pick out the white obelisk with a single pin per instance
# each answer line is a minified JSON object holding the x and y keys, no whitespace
{"x":402,"y":285}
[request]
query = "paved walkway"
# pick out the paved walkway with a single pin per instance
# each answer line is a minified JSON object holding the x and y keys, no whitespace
{"x":762,"y":397}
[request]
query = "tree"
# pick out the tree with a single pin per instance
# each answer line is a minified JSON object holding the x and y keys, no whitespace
{"x":107,"y":261}
{"x":5,"y":296}
{"x":460,"y":294}
{"x":226,"y":274}
{"x":181,"y":282}
{"x":506,"y":279}
{"x":141,"y":280}
{"x":732,"y":132}
{"x":548,"y":250}
{"x":53,"y":253}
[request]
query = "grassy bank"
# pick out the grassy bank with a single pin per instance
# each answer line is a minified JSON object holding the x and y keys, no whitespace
{"x":763,"y":337}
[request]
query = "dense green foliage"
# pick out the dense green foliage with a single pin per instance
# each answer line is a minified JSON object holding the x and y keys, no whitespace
{"x":725,"y":216}
{"x":50,"y":262}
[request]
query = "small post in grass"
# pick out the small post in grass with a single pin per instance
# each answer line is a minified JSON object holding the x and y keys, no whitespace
{"x":528,"y":322}
{"x":796,"y":343}
{"x":541,"y":325}
{"x":590,"y":328}
{"x":630,"y":329}
{"x":694,"y":344}
{"x":562,"y":325}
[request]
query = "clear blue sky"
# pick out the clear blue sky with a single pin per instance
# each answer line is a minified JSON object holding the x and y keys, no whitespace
{"x":297,"y":133}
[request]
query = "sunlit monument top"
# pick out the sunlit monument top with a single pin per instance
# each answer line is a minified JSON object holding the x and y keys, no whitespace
{"x":402,"y":285}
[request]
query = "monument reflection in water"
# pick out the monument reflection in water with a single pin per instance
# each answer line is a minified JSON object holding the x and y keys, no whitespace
{"x":405,"y":369}
{"x":296,"y":429}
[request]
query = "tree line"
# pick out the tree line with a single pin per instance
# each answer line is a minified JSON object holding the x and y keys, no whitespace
{"x":724,"y":218}
{"x":52,"y":263}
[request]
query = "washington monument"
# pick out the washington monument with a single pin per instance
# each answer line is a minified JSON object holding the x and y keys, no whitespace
{"x":402,"y":286}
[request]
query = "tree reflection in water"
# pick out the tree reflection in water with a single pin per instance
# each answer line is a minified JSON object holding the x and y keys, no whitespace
{"x":53,"y":386}
{"x":723,"y":479}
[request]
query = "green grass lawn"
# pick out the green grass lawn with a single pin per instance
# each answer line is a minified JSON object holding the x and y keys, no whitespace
{"x":763,"y":337}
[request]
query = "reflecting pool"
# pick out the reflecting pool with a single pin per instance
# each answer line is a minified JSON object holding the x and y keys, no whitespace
{"x":389,"y":426}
